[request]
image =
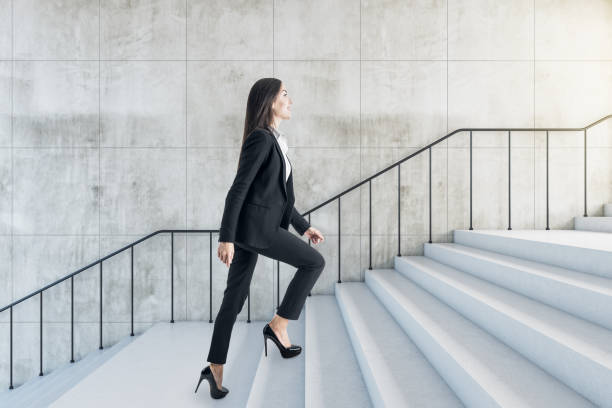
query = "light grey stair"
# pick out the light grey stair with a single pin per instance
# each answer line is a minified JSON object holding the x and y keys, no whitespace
{"x":598,"y":224}
{"x":582,"y":251}
{"x":278,"y":381}
{"x":608,"y":210}
{"x":333,"y":377}
{"x":395,"y":371}
{"x":42,"y":391}
{"x":481,"y":370}
{"x":161,"y":369}
{"x":581,"y":294}
{"x":573,"y":350}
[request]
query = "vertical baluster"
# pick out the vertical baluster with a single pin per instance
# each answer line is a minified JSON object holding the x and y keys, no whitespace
{"x":277,"y":284}
{"x":339,"y":246}
{"x":585,"y":173}
{"x":132,"y":287}
{"x":547,"y":206}
{"x":309,"y":292}
{"x":172,"y":277}
{"x":210,"y":320}
{"x":11,"y":352}
{"x":101,"y":347}
{"x":509,"y":182}
{"x":41,"y":335}
{"x":430,"y":195}
{"x":249,"y":305}
{"x":399,"y":235}
{"x":471,"y":180}
{"x":72,"y":319}
{"x":370,"y":223}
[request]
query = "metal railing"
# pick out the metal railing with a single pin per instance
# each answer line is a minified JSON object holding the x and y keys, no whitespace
{"x":368,"y":180}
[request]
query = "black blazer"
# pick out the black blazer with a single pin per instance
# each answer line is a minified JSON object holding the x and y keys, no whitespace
{"x":259,"y":201}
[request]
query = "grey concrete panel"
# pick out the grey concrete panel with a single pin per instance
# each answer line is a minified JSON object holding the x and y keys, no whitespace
{"x":6,"y":191}
{"x":5,"y":103}
{"x":142,"y":104}
{"x":56,"y":103}
{"x":56,"y":191}
{"x":6,"y":36}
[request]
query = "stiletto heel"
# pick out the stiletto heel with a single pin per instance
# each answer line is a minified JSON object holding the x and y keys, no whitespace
{"x":215,"y":392}
{"x":286,"y":352}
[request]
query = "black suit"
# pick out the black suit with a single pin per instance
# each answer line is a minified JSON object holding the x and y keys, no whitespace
{"x":258,"y":210}
{"x":259,"y":201}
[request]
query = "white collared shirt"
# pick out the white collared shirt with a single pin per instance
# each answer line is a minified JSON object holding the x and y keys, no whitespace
{"x":282,"y":141}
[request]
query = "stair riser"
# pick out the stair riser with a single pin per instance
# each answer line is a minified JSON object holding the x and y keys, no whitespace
{"x":375,"y":394}
{"x":597,"y":224}
{"x":587,"y":304}
{"x":464,"y":386}
{"x":579,"y":259}
{"x":557,"y":359}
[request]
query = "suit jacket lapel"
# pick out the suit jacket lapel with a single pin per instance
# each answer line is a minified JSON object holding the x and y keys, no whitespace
{"x":282,"y":159}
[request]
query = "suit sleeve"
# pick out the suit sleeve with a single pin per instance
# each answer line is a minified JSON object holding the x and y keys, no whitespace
{"x":299,"y":223}
{"x":254,"y":151}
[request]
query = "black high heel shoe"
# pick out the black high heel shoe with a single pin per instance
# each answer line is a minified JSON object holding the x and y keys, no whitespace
{"x":215,"y":392}
{"x":287,"y":352}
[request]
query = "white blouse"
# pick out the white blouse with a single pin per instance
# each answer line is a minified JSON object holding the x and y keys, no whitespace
{"x":282,"y":141}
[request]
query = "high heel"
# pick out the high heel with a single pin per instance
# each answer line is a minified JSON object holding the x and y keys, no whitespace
{"x":287,"y":352}
{"x":215,"y":392}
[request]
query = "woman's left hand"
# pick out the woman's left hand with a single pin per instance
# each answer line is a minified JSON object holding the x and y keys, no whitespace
{"x":314,"y":235}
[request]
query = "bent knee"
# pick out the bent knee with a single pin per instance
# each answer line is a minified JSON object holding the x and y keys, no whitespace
{"x":319,"y":262}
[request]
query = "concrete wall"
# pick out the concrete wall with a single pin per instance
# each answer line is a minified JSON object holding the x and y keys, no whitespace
{"x":118,"y":118}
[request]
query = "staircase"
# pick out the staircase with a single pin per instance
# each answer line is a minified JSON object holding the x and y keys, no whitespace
{"x":512,"y":318}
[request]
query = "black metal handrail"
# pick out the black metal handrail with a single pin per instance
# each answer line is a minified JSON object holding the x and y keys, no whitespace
{"x":338,"y":197}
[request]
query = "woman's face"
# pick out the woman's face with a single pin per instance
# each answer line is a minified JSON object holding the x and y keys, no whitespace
{"x":281,"y":107}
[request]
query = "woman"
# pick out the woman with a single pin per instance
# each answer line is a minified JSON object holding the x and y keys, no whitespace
{"x":258,"y":211}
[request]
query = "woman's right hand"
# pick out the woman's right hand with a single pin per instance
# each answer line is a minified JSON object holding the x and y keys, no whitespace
{"x":225,"y":252}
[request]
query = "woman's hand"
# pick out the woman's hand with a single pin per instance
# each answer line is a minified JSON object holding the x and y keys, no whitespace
{"x":314,"y":235}
{"x":225,"y":252}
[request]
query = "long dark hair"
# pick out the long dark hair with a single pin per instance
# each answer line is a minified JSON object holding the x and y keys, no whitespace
{"x":259,"y":106}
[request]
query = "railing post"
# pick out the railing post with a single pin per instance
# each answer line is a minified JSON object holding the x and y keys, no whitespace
{"x":585,"y":173}
{"x":172,"y":277}
{"x":277,"y":284}
{"x":249,"y":305}
{"x":399,"y":193}
{"x":310,"y":291}
{"x":547,"y":205}
{"x":210,"y":320}
{"x":72,"y":319}
{"x":11,"y":352}
{"x":430,"y":194}
{"x":41,"y":335}
{"x":509,"y":181}
{"x":101,"y":347}
{"x":339,"y":246}
{"x":132,"y":287}
{"x":370,"y":223}
{"x":471,"y":180}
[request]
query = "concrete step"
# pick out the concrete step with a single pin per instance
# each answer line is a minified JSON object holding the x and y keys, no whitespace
{"x":598,"y":224}
{"x":333,"y":377}
{"x":581,"y":294}
{"x":483,"y":371}
{"x":279,"y":382}
{"x":581,"y":251}
{"x":162,"y":367}
{"x":42,"y":391}
{"x":607,"y":210}
{"x":395,"y":371}
{"x":576,"y":352}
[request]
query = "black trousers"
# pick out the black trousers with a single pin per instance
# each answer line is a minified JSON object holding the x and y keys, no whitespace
{"x":285,"y":247}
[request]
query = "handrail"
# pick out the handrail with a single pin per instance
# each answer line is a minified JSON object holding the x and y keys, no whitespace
{"x":446,"y":137}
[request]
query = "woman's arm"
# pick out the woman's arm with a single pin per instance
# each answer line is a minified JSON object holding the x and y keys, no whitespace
{"x":299,"y":223}
{"x":255,"y":149}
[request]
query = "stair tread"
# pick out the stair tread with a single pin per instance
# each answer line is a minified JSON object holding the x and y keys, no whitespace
{"x":278,"y":381}
{"x":588,"y":339}
{"x":505,"y":375}
{"x":332,"y":370}
{"x":162,"y":367}
{"x":580,"y":279}
{"x":398,"y":372}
